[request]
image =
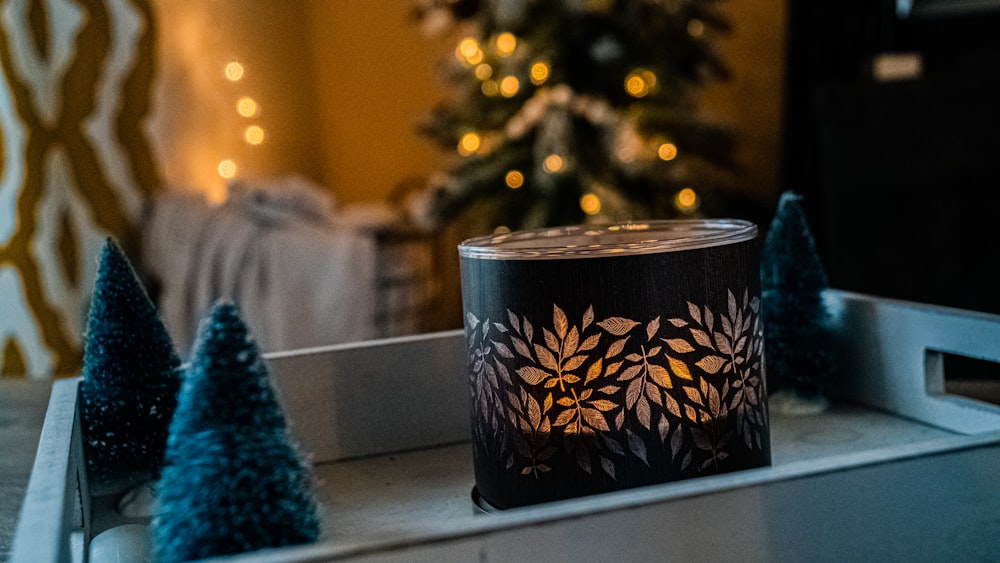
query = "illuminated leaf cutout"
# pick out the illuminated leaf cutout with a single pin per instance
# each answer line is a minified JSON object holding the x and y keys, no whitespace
{"x":588,"y":317}
{"x":610,"y":389}
{"x":711,"y":364}
{"x":616,"y":348}
{"x":694,"y":395}
{"x":652,"y":328}
{"x":613,"y":368}
{"x":701,"y":337}
{"x":618,"y":326}
{"x":642,"y":412}
{"x":633,"y":392}
{"x":604,"y":405}
{"x":671,"y":405}
{"x":660,"y":376}
{"x":679,"y":368}
{"x":695,"y":312}
{"x":594,"y":371}
{"x":590,"y":343}
{"x":574,"y":362}
{"x":679,"y":345}
{"x":572,"y":342}
{"x":559,"y":321}
{"x":532,"y":375}
{"x":679,"y":323}
{"x":546,"y":358}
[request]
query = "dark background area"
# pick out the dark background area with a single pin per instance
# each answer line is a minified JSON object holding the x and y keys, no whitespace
{"x":900,"y":177}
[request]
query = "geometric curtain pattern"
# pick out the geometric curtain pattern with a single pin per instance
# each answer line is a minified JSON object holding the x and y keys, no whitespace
{"x":75,"y":165}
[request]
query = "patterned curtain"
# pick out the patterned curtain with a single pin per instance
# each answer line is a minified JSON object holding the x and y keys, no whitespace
{"x":75,"y":165}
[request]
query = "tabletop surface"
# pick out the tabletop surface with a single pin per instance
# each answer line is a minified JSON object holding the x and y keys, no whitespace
{"x":22,"y":411}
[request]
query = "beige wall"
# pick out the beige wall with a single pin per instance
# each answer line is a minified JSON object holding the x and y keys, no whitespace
{"x":343,"y":84}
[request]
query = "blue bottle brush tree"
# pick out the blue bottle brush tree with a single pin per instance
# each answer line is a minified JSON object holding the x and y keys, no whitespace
{"x":233,"y":480}
{"x":131,"y":376}
{"x":797,"y":336}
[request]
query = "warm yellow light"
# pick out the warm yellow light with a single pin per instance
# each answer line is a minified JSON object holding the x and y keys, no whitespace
{"x":696,"y":28}
{"x":468,"y":51}
{"x":590,"y":204}
{"x":506,"y":43}
{"x":552,"y":163}
{"x":640,"y":83}
{"x":234,"y":71}
{"x":667,"y":151}
{"x":491,"y":88}
{"x":539,"y":73}
{"x":686,"y":200}
{"x":514,"y":179}
{"x":254,"y":135}
{"x":636,"y":86}
{"x":246,"y":107}
{"x":227,"y":169}
{"x":509,"y":86}
{"x":484,"y":71}
{"x":468,"y":144}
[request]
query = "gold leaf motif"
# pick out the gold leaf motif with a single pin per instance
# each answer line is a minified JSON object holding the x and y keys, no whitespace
{"x":564,"y":401}
{"x":618,"y":326}
{"x":613,"y":368}
{"x":679,"y":345}
{"x":590,"y":343}
{"x":679,"y":323}
{"x":604,"y":405}
{"x":679,"y":368}
{"x":616,"y":347}
{"x":722,"y":344}
{"x":652,"y":328}
{"x":571,"y":342}
{"x":574,"y":362}
{"x":550,"y":340}
{"x":594,"y":371}
{"x":570,"y":378}
{"x":595,"y":419}
{"x":642,"y":412}
{"x":559,"y":321}
{"x":702,"y":338}
{"x":546,"y":358}
{"x":695,"y":397}
{"x":532,"y":375}
{"x":633,"y":392}
{"x":695,"y":312}
{"x":711,"y":364}
{"x":588,"y":317}
{"x":672,"y":406}
{"x":630,"y":373}
{"x":610,"y":389}
{"x":660,"y":376}
{"x":564,"y":418}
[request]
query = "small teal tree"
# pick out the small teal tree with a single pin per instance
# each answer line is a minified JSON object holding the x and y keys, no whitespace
{"x":233,"y":480}
{"x":131,"y":375}
{"x":796,"y":330}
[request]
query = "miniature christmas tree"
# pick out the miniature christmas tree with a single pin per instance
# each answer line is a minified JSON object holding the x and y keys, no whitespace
{"x":131,"y":375}
{"x":797,"y":338}
{"x":573,"y":111}
{"x":233,"y":481}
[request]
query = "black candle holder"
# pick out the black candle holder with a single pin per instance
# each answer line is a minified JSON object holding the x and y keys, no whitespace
{"x":607,"y":357}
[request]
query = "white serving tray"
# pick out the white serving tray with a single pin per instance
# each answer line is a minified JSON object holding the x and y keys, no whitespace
{"x":897,"y":470}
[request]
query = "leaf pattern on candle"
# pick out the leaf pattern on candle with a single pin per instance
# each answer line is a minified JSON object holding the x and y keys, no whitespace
{"x":589,"y":388}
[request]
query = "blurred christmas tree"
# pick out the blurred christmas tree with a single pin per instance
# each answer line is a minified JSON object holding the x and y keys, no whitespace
{"x":797,"y":336}
{"x":571,"y":111}
{"x":233,"y":481}
{"x":131,"y":375}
